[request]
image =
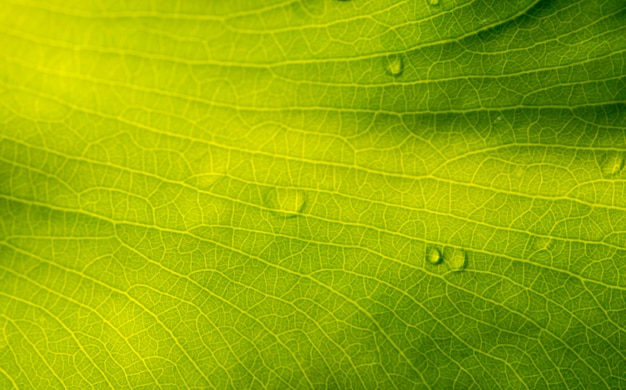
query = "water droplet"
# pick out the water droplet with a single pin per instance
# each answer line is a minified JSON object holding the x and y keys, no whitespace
{"x":457,"y":260}
{"x":394,"y":65}
{"x":434,"y":256}
{"x":613,"y":164}
{"x":433,"y":2}
{"x":287,"y":201}
{"x":499,"y":118}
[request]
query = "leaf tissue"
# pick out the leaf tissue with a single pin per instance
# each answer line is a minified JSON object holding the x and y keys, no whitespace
{"x":313,"y":194}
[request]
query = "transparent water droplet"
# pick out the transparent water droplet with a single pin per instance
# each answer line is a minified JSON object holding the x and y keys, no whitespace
{"x":433,"y":2}
{"x":433,"y":256}
{"x":394,"y":65}
{"x":288,"y":202}
{"x":457,"y":260}
{"x":499,"y":118}
{"x":613,"y":164}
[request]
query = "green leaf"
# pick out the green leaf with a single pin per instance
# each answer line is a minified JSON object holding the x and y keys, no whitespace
{"x":313,"y":194}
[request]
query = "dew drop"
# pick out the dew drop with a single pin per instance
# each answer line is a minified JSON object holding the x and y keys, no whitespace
{"x":434,"y":256}
{"x":287,"y":201}
{"x":433,"y":2}
{"x":613,"y":164}
{"x":457,"y":260}
{"x":394,"y":65}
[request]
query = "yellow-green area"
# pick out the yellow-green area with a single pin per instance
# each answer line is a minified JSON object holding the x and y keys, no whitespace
{"x":313,"y":194}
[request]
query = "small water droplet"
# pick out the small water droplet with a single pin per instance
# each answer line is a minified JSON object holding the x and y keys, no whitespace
{"x":499,"y":118}
{"x":287,"y":201}
{"x":613,"y":164}
{"x":394,"y":65}
{"x":457,"y":260}
{"x":433,"y":2}
{"x":434,"y":256}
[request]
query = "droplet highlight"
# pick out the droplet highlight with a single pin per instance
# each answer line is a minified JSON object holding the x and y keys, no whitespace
{"x":613,"y":164}
{"x":288,"y":202}
{"x":433,"y":256}
{"x":394,"y":65}
{"x":433,"y":2}
{"x":457,"y":260}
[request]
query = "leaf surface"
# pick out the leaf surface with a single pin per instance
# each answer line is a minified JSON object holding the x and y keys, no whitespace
{"x":313,"y":194}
